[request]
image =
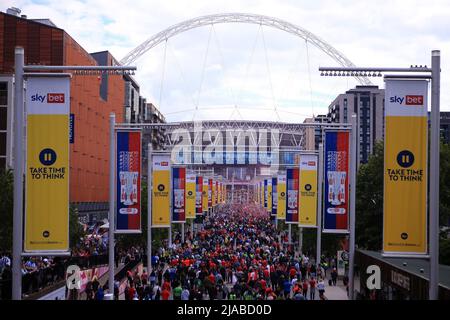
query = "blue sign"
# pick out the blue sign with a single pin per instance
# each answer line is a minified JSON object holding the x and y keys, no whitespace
{"x":72,"y":128}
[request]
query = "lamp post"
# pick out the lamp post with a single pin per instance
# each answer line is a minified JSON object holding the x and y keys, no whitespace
{"x":414,"y":72}
{"x":21,"y":72}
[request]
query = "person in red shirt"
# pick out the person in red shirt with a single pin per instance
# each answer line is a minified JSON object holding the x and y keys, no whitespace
{"x":263,"y":284}
{"x":212,"y":278}
{"x":166,"y":286}
{"x":305,"y":288}
{"x":312,"y":288}
{"x":131,"y":292}
{"x":266,"y":274}
{"x":165,"y":294}
{"x":292,"y":273}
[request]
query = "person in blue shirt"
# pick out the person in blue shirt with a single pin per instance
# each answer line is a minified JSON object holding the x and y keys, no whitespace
{"x":286,"y":288}
{"x":100,"y":294}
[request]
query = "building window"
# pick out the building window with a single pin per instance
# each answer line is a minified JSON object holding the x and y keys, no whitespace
{"x":3,"y":93}
{"x":3,"y":118}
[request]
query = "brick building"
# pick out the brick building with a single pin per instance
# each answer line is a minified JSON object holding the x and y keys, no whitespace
{"x":45,"y":44}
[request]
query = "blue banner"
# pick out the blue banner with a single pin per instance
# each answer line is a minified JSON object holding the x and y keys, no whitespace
{"x":178,"y":195}
{"x":274,"y":196}
{"x":128,"y":181}
{"x":336,"y":177}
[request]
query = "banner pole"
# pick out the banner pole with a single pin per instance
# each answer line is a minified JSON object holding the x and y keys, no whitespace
{"x":289,"y":234}
{"x":319,"y":206}
{"x":149,"y":208}
{"x":170,"y":210}
{"x":434,"y":174}
{"x":182,"y":233}
{"x":353,"y":171}
{"x":112,"y":156}
{"x":18,"y":176}
{"x":300,"y":239}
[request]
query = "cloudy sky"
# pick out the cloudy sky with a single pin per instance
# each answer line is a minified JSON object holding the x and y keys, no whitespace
{"x":244,"y":71}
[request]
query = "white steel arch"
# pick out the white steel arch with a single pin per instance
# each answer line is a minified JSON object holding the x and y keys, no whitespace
{"x":240,"y":18}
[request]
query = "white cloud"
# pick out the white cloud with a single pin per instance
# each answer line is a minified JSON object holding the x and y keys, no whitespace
{"x":369,"y":33}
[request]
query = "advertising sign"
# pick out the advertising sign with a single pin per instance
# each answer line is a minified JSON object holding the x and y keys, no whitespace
{"x":210,"y":193}
{"x":199,"y":195}
{"x":190,"y":196}
{"x":281,"y":192}
{"x":269,"y":195}
{"x":128,"y":181}
{"x":292,"y":183}
{"x":262,"y":194}
{"x":308,"y":191}
{"x":72,"y":128}
{"x":274,"y":197}
{"x":205,"y":194}
{"x":266,"y":197}
{"x":405,"y":168}
{"x":47,"y":164}
{"x":161,"y":191}
{"x":336,"y":175}
{"x":178,"y":195}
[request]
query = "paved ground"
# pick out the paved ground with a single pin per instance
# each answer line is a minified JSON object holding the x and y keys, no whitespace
{"x":335,"y":293}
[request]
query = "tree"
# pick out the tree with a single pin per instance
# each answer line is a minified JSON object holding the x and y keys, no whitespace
{"x":76,"y":232}
{"x":6,"y":209}
{"x":369,"y":201}
{"x":444,"y":185}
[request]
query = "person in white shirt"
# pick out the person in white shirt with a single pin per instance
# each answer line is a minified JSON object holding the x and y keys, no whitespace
{"x":321,"y":288}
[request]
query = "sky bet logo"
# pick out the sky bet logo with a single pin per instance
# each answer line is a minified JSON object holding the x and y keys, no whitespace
{"x":407,"y":100}
{"x":51,"y":98}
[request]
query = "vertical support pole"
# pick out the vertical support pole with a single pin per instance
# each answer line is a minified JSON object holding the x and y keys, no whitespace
{"x":232,"y":188}
{"x":149,"y":208}
{"x":112,"y":158}
{"x":19,"y":142}
{"x":289,"y":233}
{"x":434,"y":173}
{"x":319,"y":206}
{"x":182,"y":232}
{"x":353,"y":169}
{"x":300,"y":239}
{"x":171,"y":208}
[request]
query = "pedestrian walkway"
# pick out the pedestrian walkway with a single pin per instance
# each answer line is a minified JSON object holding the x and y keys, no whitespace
{"x":336,"y":293}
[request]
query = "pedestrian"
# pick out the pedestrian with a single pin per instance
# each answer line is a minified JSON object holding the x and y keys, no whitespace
{"x":305,"y":288}
{"x":312,"y":288}
{"x":334,"y":276}
{"x":321,"y":288}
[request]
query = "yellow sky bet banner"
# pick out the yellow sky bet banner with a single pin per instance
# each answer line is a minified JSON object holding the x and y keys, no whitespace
{"x":281,"y":188}
{"x":190,"y":196}
{"x":308,"y":191}
{"x":269,"y":195}
{"x":205,"y":194}
{"x":161,"y":191}
{"x":214,"y":193}
{"x":47,"y":164}
{"x":405,"y":168}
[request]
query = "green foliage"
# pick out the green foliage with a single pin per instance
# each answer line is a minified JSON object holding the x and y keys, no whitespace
{"x":369,"y":201}
{"x":76,"y":232}
{"x":444,"y":185}
{"x":6,"y":209}
{"x":444,"y":251}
